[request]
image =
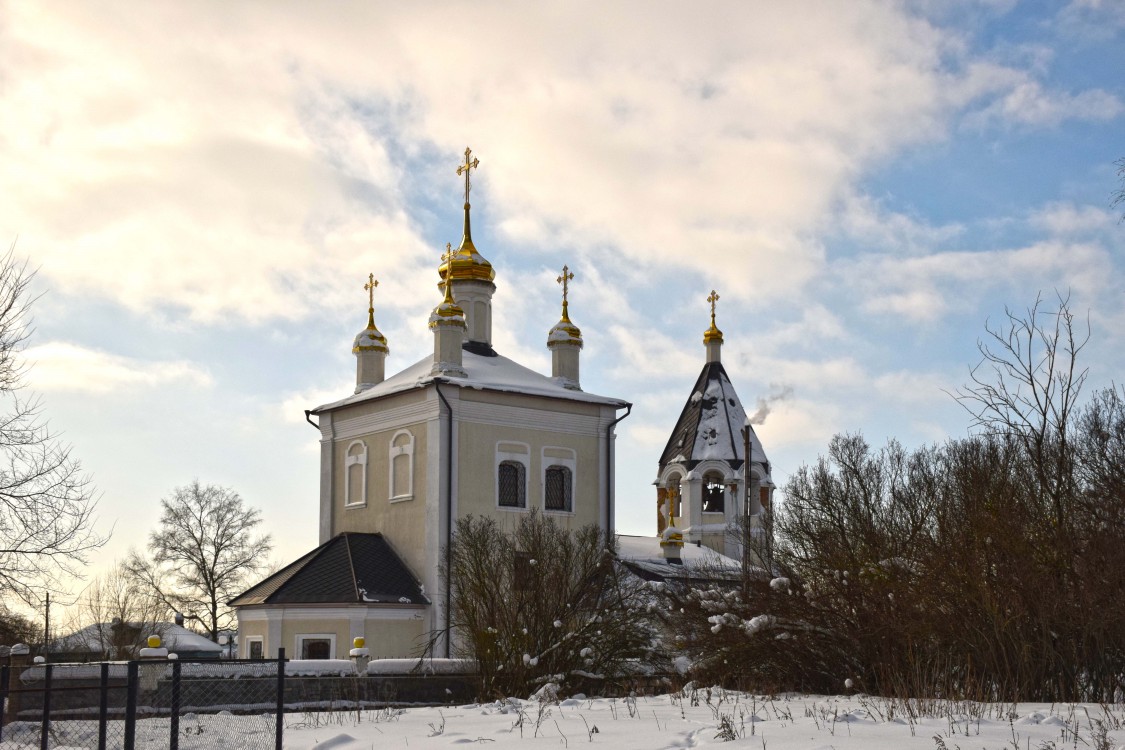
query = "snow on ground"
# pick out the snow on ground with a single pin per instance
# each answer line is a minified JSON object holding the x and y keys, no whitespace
{"x":700,"y":718}
{"x":703,"y":718}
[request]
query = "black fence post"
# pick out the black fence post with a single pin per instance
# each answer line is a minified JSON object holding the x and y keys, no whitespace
{"x":131,"y":705}
{"x":45,"y":732}
{"x":174,"y":727}
{"x":5,"y":672}
{"x":279,"y":727}
{"x":103,"y":705}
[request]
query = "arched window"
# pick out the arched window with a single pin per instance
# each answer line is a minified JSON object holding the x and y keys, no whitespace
{"x":355,"y":474}
{"x":511,"y":482}
{"x":558,"y":491}
{"x":512,"y":462}
{"x":402,"y":466}
{"x":558,"y":465}
{"x":714,"y":493}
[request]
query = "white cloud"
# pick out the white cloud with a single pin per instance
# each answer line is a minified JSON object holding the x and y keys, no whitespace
{"x":259,"y":174}
{"x":876,"y":228}
{"x":924,"y":288}
{"x":58,"y":366}
{"x":1029,"y":103}
{"x":1068,"y":219}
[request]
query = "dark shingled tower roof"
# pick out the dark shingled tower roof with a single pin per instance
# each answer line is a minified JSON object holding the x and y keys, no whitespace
{"x":349,"y":568}
{"x":710,"y":425}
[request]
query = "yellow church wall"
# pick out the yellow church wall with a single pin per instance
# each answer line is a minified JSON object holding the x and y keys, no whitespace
{"x":566,"y":425}
{"x":389,"y":634}
{"x":402,"y":520}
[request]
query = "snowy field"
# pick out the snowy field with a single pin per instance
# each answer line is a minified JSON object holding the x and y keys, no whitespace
{"x":699,"y":718}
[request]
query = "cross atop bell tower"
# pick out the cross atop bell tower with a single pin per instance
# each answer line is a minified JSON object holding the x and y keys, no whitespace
{"x":713,"y":337}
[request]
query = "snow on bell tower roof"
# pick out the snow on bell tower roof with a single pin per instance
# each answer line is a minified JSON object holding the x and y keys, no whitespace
{"x":710,"y":425}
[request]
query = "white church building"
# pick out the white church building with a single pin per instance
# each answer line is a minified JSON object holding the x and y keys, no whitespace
{"x":467,"y":431}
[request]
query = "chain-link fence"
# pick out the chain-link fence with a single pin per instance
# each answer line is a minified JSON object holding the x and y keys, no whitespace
{"x":144,"y":704}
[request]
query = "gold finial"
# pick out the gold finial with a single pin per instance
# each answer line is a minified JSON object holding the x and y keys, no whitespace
{"x":566,"y":277}
{"x":713,"y":333}
{"x":370,"y":288}
{"x":471,"y":162}
{"x":447,"y":257}
{"x":466,"y":247}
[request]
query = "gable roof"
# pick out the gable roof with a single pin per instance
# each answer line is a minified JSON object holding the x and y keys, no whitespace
{"x":97,"y":638}
{"x":710,"y":425}
{"x":485,"y":371}
{"x":350,"y":568}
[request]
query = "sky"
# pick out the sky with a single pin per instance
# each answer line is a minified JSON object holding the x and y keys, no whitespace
{"x":204,"y":187}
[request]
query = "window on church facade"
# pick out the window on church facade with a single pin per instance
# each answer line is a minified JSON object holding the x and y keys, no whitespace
{"x":557,"y":478}
{"x":316,"y":646}
{"x":513,"y":460}
{"x":402,"y":466}
{"x":558,"y":489}
{"x":714,"y":493}
{"x":355,"y":474}
{"x":512,"y":484}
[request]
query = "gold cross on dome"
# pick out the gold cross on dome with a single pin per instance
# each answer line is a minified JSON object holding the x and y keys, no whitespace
{"x":564,"y":279}
{"x":370,"y":287}
{"x":471,"y":162}
{"x":713,"y":298}
{"x":447,"y":259}
{"x":566,"y":276}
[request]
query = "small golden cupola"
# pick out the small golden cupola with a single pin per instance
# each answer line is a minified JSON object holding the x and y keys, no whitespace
{"x":447,"y":321}
{"x":370,"y":346}
{"x":565,"y":341}
{"x":713,"y":337}
{"x":471,"y":274}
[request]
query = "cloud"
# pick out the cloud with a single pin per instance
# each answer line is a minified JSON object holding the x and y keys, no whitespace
{"x":258,"y":175}
{"x":865,"y":220}
{"x":922,"y":289}
{"x":58,"y":366}
{"x":1029,"y":103}
{"x":1068,"y":219}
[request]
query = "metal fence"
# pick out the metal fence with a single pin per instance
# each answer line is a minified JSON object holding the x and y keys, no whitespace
{"x":177,"y":704}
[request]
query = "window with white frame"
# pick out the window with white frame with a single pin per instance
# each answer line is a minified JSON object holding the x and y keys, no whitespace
{"x":512,"y":461}
{"x":558,"y":479}
{"x":355,"y":474}
{"x":402,"y":466}
{"x":316,"y":645}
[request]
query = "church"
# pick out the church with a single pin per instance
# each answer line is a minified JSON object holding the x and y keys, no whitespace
{"x":467,"y":431}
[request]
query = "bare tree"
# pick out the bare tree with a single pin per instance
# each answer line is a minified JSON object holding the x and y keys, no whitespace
{"x":115,"y":615}
{"x":47,"y":503}
{"x":1027,"y":385}
{"x":203,"y":555}
{"x":545,"y":603}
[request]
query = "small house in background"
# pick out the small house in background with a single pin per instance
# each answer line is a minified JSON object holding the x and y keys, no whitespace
{"x":122,"y":640}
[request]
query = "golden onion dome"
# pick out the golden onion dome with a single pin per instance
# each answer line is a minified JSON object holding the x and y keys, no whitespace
{"x":713,"y":333}
{"x":447,"y":312}
{"x":466,"y":263}
{"x":564,"y":332}
{"x":369,"y":339}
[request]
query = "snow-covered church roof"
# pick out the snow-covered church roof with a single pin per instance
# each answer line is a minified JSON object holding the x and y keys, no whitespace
{"x":710,"y":425}
{"x":485,"y":371}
